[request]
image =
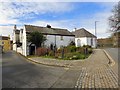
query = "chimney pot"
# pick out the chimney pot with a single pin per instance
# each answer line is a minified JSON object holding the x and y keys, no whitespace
{"x":75,"y":29}
{"x":15,"y":27}
{"x":48,"y":26}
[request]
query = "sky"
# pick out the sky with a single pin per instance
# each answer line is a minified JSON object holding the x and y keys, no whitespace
{"x":67,"y":15}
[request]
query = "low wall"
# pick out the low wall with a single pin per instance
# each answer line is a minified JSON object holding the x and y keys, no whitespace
{"x":19,"y":50}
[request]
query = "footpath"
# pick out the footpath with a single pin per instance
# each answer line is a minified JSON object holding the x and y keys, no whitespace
{"x":97,"y":72}
{"x":70,"y":63}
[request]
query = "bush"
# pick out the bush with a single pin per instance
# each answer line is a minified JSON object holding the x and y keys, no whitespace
{"x":51,"y":53}
{"x":41,"y":51}
{"x":72,"y":43}
{"x":71,"y":48}
{"x":80,"y":50}
{"x":90,"y":50}
{"x":87,"y":46}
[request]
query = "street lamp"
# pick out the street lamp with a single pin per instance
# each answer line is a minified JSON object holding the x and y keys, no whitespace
{"x":96,"y":31}
{"x":96,"y":28}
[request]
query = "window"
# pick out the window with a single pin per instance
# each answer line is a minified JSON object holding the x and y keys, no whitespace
{"x":78,"y":42}
{"x":61,"y":37}
{"x":91,"y":42}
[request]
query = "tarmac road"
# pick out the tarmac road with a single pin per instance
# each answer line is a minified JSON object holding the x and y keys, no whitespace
{"x":18,"y":72}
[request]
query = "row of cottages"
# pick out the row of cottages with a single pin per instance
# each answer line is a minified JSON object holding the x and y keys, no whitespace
{"x":55,"y":37}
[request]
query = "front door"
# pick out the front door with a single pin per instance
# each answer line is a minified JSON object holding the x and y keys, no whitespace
{"x":32,"y":50}
{"x":78,"y":42}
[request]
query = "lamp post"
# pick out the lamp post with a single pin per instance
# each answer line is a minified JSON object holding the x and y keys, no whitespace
{"x":96,"y":31}
{"x":96,"y":28}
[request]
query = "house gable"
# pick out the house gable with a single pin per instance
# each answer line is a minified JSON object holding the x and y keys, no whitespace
{"x":83,"y":33}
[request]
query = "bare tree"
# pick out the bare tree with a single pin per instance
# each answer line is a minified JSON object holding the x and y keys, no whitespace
{"x":114,"y":19}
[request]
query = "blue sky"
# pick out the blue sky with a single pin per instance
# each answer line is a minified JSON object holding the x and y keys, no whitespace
{"x":68,"y":15}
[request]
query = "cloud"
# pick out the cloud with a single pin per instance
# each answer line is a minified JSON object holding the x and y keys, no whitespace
{"x":15,"y":10}
{"x":60,"y":1}
{"x":6,"y":30}
{"x":12,"y":12}
{"x":101,"y":17}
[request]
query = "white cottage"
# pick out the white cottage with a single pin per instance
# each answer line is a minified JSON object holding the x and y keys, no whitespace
{"x":55,"y":37}
{"x":83,"y":37}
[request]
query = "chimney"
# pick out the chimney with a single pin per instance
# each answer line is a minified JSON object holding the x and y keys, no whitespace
{"x":48,"y":26}
{"x":15,"y":27}
{"x":75,"y":29}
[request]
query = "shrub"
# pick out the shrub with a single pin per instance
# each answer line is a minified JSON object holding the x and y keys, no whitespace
{"x":80,"y":49}
{"x":58,"y":55}
{"x":71,"y":48}
{"x":51,"y":53}
{"x":87,"y":46}
{"x":72,"y":43}
{"x":41,"y":51}
{"x":90,"y":50}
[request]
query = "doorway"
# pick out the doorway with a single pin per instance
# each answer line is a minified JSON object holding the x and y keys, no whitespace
{"x":78,"y":42}
{"x":32,"y":49}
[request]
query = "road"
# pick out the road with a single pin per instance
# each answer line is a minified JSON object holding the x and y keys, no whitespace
{"x":114,"y":53}
{"x":18,"y":72}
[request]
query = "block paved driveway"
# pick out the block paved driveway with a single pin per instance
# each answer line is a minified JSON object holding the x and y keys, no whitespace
{"x":95,"y":72}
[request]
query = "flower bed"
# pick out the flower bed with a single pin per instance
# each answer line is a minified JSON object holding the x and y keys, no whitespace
{"x":66,"y":53}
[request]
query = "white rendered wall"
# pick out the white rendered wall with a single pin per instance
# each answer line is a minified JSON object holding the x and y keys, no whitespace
{"x":86,"y":41}
{"x":14,"y":40}
{"x":20,"y":36}
{"x":24,"y":42}
{"x":83,"y":41}
{"x":19,"y":50}
{"x":89,"y":42}
{"x":51,"y":40}
{"x":94,"y":42}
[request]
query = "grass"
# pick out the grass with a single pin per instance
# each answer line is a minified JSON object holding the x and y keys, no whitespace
{"x":75,"y":56}
{"x":31,"y":56}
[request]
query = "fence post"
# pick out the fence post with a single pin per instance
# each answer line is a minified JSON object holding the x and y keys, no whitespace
{"x":62,"y":52}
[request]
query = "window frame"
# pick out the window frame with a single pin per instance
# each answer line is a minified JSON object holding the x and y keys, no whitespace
{"x":61,"y":37}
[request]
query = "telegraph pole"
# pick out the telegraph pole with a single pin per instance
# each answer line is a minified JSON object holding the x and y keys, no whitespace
{"x":96,"y":28}
{"x":96,"y":31}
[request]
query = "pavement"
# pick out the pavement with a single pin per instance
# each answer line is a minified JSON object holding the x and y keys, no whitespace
{"x":53,"y":62}
{"x":70,"y":63}
{"x":93,"y":73}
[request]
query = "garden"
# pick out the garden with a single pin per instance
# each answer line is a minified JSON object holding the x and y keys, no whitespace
{"x":70,"y":52}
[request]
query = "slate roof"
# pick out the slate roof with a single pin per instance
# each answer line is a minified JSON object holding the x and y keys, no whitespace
{"x":82,"y":33}
{"x":17,"y":31}
{"x":48,"y":30}
{"x":4,"y":38}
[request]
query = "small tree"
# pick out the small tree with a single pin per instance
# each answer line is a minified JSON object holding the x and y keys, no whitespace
{"x":36,"y":38}
{"x":114,"y":19}
{"x":72,"y":43}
